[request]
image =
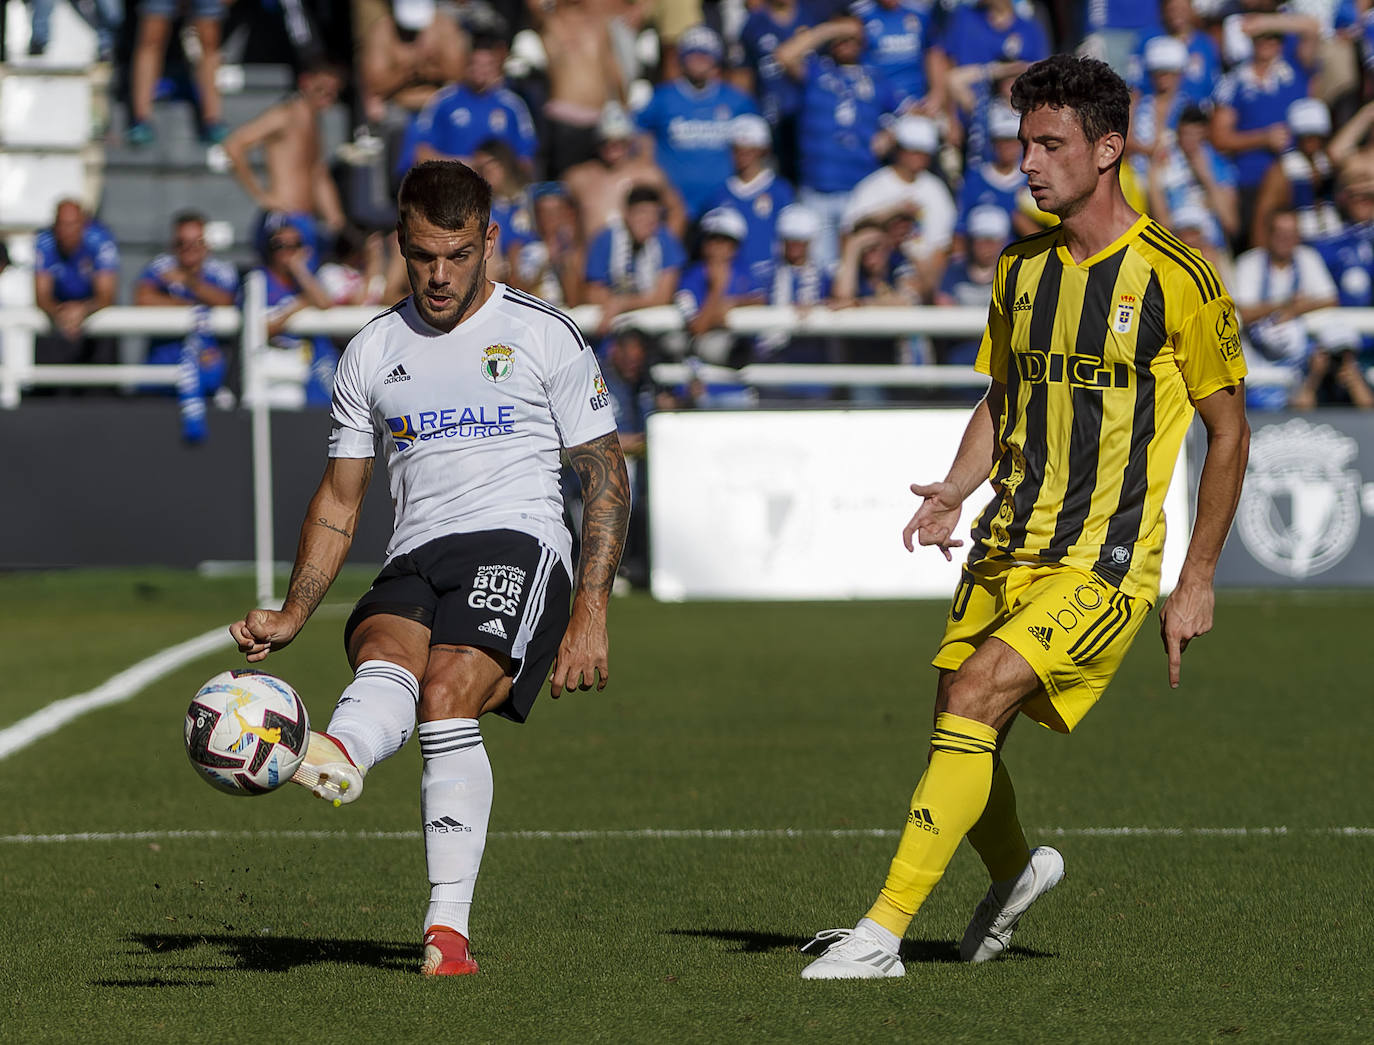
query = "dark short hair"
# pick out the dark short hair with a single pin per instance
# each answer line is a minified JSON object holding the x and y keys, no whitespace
{"x":445,"y":193}
{"x":1193,"y":114}
{"x":643,"y":194}
{"x":187,"y":217}
{"x":1089,"y":87}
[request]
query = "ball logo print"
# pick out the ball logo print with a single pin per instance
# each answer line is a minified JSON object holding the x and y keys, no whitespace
{"x":246,"y":732}
{"x":1300,"y":508}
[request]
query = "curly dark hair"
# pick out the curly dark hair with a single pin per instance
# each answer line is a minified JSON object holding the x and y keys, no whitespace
{"x":1088,"y":87}
{"x":445,"y":193}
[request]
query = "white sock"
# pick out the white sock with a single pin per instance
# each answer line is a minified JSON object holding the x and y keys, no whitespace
{"x":375,"y":715}
{"x":886,"y":937}
{"x":455,"y":805}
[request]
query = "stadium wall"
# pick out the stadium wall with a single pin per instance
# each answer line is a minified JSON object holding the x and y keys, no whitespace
{"x":110,"y":483}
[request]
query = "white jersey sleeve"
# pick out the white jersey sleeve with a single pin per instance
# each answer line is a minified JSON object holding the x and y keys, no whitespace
{"x":578,"y":398}
{"x":352,"y":434}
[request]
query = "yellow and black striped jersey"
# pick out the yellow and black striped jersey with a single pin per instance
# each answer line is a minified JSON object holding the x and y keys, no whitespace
{"x":1102,"y":362}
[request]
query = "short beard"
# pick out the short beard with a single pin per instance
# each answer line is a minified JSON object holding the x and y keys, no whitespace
{"x":478,"y":278}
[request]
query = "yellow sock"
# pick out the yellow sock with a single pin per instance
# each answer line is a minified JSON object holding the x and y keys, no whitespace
{"x":948,"y":801}
{"x":997,"y":836}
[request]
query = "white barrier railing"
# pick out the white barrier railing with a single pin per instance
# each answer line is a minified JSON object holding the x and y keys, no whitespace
{"x":18,"y":370}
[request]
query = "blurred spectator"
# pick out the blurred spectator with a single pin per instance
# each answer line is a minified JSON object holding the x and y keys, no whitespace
{"x":1304,"y":178}
{"x":583,"y":76}
{"x":1275,"y":286}
{"x":155,"y":20}
{"x":769,"y":24}
{"x":76,"y":273}
{"x":355,"y":274}
{"x":907,"y":188}
{"x":481,"y":107}
{"x":109,"y":18}
{"x":299,"y":184}
{"x":797,"y":281}
{"x":754,"y":191}
{"x":1350,"y":150}
{"x":299,"y":369}
{"x":899,"y":37}
{"x":1249,"y":117}
{"x":998,"y":181}
{"x":626,"y":374}
{"x":674,"y":19}
{"x":873,"y":270}
{"x":189,"y":275}
{"x":1115,"y":28}
{"x":599,"y":185}
{"x":1349,"y":251}
{"x":1188,"y":172}
{"x":635,"y":263}
{"x":845,"y":104}
{"x":968,"y":281}
{"x":985,"y":44}
{"x":1202,"y":66}
{"x":404,"y":52}
{"x":689,"y":120}
{"x":553,"y":265}
{"x":1155,"y":114}
{"x":511,"y":210}
{"x":714,"y":285}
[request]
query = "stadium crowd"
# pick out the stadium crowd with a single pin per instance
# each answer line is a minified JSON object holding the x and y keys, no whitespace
{"x":814,"y":153}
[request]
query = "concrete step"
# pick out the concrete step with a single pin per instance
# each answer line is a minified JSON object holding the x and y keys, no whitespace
{"x":137,"y":205}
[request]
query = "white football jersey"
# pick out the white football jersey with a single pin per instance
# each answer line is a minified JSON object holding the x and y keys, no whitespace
{"x":471,"y":420}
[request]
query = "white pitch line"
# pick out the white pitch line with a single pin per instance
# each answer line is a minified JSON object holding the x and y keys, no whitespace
{"x":114,"y":690}
{"x":649,"y":833}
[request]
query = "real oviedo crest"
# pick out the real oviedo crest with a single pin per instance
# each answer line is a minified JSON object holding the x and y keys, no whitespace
{"x":498,"y":363}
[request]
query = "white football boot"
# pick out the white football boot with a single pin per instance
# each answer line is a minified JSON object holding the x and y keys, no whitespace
{"x":852,"y":954}
{"x":328,"y":772}
{"x":994,"y":919}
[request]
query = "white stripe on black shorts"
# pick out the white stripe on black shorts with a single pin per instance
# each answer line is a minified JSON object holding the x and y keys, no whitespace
{"x":500,"y":590}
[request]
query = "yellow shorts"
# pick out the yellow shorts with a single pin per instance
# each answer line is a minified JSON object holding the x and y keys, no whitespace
{"x":1071,"y":627}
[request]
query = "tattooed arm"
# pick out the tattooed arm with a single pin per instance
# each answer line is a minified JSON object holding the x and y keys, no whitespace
{"x":584,"y":653}
{"x":326,"y":536}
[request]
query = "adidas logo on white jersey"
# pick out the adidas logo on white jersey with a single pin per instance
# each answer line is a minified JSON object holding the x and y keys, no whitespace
{"x":493,"y":627}
{"x":399,"y":374}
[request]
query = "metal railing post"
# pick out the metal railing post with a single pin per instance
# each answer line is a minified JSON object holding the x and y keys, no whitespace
{"x":253,"y":345}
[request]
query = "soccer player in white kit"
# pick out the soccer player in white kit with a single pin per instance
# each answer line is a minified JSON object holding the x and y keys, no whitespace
{"x":471,"y":388}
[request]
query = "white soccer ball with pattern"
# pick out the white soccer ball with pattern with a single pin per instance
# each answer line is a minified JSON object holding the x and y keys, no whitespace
{"x":246,"y":732}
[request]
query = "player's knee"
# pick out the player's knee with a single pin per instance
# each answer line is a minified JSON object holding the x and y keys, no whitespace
{"x":976,"y":695}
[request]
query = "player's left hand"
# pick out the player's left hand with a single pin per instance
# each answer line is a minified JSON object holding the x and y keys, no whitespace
{"x":583,"y":659}
{"x":1186,"y":615}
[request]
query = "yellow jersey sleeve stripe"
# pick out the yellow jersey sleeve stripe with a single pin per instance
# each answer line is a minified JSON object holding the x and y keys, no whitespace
{"x":1192,"y":255}
{"x":1204,"y":285}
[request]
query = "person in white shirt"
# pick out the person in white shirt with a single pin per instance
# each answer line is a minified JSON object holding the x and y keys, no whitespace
{"x":472,"y":389}
{"x":907,"y":187}
{"x":1275,"y":287}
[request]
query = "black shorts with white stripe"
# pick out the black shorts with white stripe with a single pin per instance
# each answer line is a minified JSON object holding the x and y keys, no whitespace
{"x":499,"y":590}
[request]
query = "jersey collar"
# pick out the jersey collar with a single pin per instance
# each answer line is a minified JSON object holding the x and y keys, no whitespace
{"x":1106,"y":251}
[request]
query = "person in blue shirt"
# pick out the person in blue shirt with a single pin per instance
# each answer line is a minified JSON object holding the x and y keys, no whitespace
{"x":291,"y":287}
{"x":1304,"y":178}
{"x":992,"y":31}
{"x":1202,"y":68}
{"x":1249,"y":116}
{"x":188,"y":275}
{"x":1115,"y":28}
{"x":754,"y":191}
{"x":711,"y":287}
{"x":797,"y":281}
{"x":75,"y":273}
{"x":634,"y":263}
{"x":779,"y":95}
{"x":689,"y":120}
{"x":899,"y":35}
{"x":968,"y":280}
{"x":997,"y":182}
{"x":463,"y":116}
{"x":1189,"y":173}
{"x":1155,"y":112}
{"x":846,"y":108}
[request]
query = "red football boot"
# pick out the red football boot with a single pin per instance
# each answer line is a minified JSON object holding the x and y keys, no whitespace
{"x":446,"y":953}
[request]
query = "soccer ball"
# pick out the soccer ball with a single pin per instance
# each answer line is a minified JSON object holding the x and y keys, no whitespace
{"x":246,"y":732}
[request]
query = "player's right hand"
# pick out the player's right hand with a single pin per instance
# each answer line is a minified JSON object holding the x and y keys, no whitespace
{"x":263,"y":631}
{"x":935,"y":519}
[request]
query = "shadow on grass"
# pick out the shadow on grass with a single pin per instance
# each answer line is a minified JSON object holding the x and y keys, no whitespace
{"x":918,"y":951}
{"x":254,"y":953}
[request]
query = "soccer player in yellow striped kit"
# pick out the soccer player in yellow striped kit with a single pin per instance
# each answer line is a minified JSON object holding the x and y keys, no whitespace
{"x":1105,"y":333}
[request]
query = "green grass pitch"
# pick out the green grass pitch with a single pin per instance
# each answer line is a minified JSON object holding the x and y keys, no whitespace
{"x":775,"y":718}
